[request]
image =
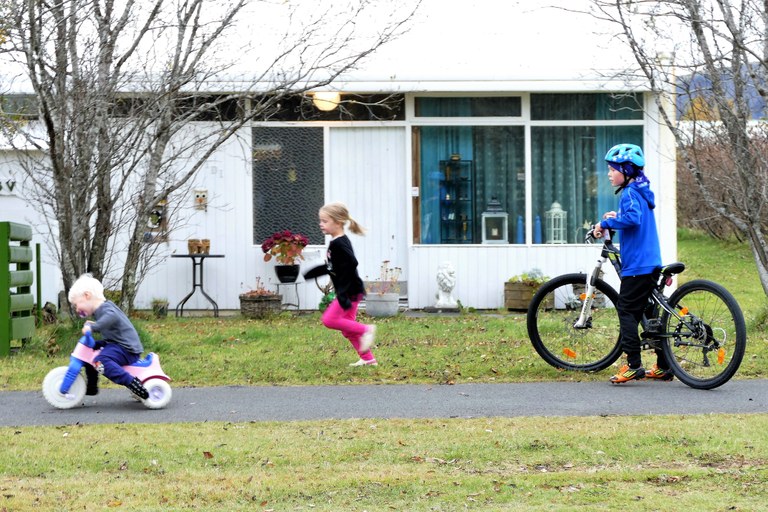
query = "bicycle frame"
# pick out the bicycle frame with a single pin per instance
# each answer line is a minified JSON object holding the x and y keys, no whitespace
{"x":650,"y":325}
{"x":609,"y":252}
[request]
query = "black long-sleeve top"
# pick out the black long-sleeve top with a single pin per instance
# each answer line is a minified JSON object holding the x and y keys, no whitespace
{"x":341,"y":266}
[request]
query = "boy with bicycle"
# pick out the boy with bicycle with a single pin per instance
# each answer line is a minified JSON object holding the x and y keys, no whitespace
{"x":640,"y":254}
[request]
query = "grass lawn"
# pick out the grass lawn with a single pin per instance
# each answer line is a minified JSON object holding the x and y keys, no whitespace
{"x":709,"y":462}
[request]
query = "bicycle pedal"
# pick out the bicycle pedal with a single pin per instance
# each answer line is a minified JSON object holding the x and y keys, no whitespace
{"x":652,"y":326}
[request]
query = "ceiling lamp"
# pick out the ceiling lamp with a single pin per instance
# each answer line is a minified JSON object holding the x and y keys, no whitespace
{"x":326,"y":100}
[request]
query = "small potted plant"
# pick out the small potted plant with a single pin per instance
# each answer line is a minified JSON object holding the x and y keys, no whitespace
{"x":383,"y":294}
{"x":260,"y":302}
{"x":519,"y":289}
{"x":286,"y":247}
{"x":328,"y":295}
{"x":160,"y":307}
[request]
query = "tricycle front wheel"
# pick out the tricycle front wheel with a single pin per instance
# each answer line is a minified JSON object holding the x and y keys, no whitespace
{"x":52,"y":384}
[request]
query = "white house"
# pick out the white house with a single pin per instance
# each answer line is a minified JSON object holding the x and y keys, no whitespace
{"x":493,"y":162}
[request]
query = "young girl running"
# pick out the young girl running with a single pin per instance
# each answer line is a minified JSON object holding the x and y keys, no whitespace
{"x":341,"y":265}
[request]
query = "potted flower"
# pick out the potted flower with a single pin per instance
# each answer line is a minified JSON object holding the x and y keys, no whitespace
{"x":286,"y":247}
{"x":383,"y":297}
{"x":260,"y":302}
{"x":519,"y":289}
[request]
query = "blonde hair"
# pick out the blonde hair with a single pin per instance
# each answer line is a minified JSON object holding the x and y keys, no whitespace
{"x":86,"y":283}
{"x":339,"y":213}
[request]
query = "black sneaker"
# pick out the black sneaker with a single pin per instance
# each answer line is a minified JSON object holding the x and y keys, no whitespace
{"x":138,"y":389}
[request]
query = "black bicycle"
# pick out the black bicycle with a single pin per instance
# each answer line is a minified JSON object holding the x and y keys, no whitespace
{"x":573,"y":323}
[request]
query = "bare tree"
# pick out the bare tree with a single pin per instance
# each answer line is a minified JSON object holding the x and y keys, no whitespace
{"x":720,"y":53}
{"x":120,"y":86}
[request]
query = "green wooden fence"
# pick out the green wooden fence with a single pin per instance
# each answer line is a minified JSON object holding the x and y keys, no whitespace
{"x":17,"y":319}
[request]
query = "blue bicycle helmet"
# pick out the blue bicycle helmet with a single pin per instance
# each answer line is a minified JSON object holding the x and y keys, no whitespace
{"x":627,"y":159}
{"x":623,"y":153}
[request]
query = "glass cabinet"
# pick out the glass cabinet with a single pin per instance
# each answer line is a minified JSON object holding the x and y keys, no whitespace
{"x":456,"y":201}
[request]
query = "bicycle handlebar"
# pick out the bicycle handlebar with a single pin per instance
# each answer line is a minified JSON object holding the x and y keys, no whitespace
{"x":590,"y":237}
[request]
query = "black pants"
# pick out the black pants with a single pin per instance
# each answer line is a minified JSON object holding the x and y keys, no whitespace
{"x":633,"y":299}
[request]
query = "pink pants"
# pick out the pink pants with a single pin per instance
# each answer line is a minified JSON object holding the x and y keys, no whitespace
{"x":344,"y":320}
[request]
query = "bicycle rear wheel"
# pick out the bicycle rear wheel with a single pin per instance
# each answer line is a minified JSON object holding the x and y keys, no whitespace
{"x":552,"y":313}
{"x":707,"y":346}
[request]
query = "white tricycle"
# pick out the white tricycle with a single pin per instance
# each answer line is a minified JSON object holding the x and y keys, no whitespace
{"x":64,"y":387}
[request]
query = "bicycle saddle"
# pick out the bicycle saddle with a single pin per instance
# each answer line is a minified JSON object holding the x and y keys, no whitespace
{"x":673,"y":269}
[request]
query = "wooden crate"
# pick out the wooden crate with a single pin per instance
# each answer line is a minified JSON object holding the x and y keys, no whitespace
{"x":517,"y":296}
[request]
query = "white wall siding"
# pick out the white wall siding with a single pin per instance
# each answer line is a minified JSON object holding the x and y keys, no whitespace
{"x":227,"y":222}
{"x":481,"y":270}
{"x":367,"y":170}
{"x":16,"y":205}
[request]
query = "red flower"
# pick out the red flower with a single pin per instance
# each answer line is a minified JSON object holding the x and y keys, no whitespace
{"x":285,"y":246}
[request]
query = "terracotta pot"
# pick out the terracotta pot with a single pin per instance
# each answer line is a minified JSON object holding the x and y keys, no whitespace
{"x":193,"y":246}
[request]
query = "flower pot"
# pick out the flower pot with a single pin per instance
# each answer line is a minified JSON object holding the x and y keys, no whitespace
{"x":160,"y":309}
{"x":287,"y":273}
{"x":194,"y":246}
{"x":382,"y":304}
{"x":260,"y":306}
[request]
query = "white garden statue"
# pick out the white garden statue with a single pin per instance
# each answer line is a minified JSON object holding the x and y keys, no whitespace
{"x":446,"y":281}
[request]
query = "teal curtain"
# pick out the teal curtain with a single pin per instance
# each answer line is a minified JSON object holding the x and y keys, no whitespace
{"x":500,"y":174}
{"x":567,"y":161}
{"x":498,"y":157}
{"x":438,"y":143}
{"x":568,"y":168}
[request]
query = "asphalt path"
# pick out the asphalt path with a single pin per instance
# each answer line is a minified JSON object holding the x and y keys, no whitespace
{"x":298,"y":403}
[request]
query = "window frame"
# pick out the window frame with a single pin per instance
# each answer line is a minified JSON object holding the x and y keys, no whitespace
{"x":523,"y":120}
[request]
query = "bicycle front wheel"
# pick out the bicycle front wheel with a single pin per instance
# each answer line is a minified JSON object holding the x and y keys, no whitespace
{"x":552,"y":314}
{"x":704,"y":347}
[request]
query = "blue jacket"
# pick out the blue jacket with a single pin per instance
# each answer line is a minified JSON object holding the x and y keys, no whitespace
{"x":640,"y":251}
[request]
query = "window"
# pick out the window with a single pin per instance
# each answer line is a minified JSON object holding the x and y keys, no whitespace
{"x":482,"y":106}
{"x":21,"y":106}
{"x":287,"y":181}
{"x":353,"y":107}
{"x":586,"y":107}
{"x":467,"y":173}
{"x":567,"y":168}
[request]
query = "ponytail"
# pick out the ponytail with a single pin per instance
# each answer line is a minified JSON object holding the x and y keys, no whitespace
{"x":339,"y":213}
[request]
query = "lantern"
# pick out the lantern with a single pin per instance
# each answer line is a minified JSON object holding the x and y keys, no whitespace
{"x":495,"y":223}
{"x":556,"y":220}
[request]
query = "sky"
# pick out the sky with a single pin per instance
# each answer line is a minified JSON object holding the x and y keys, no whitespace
{"x":456,"y":39}
{"x":449,"y":40}
{"x":500,"y":39}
